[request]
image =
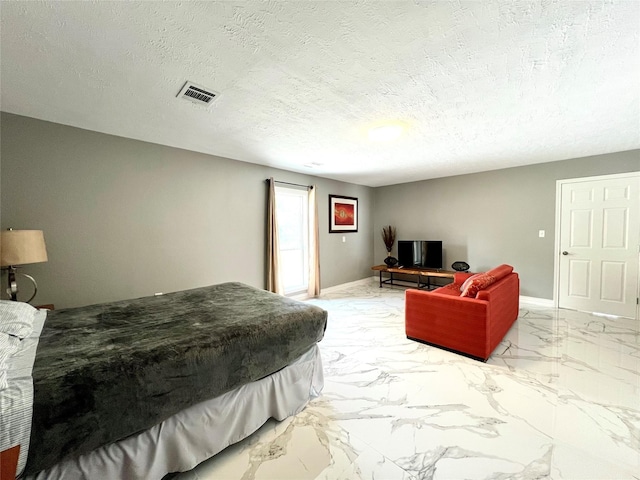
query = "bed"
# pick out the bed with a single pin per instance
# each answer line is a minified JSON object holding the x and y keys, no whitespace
{"x":145,"y":387}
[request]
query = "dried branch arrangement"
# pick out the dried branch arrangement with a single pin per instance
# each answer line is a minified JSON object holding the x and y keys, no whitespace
{"x":389,"y":237}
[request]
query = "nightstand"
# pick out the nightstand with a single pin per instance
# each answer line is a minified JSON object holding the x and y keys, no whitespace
{"x":9,"y":462}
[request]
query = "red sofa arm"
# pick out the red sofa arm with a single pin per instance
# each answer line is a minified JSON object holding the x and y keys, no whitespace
{"x":455,"y":323}
{"x":504,"y":297}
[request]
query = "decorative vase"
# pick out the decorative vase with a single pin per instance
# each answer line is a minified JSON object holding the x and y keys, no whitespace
{"x":389,"y":237}
{"x":390,"y":261}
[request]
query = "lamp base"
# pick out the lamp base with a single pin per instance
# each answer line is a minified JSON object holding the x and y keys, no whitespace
{"x":13,"y":285}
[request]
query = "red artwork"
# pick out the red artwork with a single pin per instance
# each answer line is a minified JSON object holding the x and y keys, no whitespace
{"x":343,"y":214}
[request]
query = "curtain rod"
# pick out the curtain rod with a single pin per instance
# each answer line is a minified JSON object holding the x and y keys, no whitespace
{"x":289,"y":183}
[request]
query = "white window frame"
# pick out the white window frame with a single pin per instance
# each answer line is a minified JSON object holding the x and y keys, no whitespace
{"x":303,"y":195}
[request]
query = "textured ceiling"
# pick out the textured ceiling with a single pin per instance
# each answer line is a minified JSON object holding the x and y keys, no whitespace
{"x":478,"y":85}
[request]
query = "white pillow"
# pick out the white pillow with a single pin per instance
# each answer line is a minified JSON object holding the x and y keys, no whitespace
{"x":16,"y":384}
{"x":8,"y":346}
{"x":16,"y":318}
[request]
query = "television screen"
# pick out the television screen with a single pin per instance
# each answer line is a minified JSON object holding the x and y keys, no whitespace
{"x":420,"y":253}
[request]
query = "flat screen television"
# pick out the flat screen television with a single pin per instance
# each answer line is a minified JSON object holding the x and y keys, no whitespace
{"x":420,"y":253}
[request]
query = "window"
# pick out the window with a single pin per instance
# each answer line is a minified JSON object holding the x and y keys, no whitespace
{"x":293,"y":231}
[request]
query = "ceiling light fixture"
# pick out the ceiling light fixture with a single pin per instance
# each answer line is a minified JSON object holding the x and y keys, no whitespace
{"x":385,"y":133}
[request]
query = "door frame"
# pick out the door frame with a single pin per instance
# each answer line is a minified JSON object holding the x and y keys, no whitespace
{"x":556,"y":250}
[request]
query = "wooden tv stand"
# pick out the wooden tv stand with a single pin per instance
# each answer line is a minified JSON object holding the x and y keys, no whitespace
{"x":421,"y":273}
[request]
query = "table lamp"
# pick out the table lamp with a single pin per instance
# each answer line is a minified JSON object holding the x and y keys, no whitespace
{"x":21,"y":247}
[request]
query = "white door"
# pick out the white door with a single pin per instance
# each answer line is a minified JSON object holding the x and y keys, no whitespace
{"x":599,"y":245}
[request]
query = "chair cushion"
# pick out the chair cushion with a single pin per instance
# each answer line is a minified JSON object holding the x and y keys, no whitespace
{"x":450,"y":289}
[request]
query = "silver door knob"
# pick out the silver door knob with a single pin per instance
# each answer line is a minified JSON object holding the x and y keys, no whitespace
{"x":565,"y":253}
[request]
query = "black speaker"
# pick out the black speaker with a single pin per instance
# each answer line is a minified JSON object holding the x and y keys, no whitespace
{"x":460,"y":266}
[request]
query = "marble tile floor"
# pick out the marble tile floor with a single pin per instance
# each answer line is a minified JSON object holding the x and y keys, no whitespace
{"x":558,"y":399}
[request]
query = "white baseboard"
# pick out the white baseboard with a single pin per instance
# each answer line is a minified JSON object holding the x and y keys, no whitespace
{"x":542,"y":302}
{"x":363,"y":281}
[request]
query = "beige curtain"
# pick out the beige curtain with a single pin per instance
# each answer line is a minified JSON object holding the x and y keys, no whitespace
{"x":314,"y":245}
{"x":274,"y":282}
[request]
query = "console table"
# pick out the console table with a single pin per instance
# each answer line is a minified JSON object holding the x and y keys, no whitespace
{"x":421,"y":273}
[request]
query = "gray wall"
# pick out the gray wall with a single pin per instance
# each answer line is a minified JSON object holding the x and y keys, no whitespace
{"x":493,"y":217}
{"x":124,"y":218}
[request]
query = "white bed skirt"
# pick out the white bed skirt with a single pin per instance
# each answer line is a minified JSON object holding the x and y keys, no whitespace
{"x":191,"y":436}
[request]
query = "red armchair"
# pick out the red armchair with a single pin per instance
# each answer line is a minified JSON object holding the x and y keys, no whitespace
{"x":473,"y":326}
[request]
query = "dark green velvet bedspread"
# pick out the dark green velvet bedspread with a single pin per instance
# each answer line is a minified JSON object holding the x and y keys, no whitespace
{"x":104,"y":372}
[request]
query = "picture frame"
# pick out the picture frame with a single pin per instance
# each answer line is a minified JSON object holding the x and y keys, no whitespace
{"x":343,"y":214}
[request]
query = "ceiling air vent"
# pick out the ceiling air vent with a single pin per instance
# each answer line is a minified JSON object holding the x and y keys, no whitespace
{"x":197,"y":94}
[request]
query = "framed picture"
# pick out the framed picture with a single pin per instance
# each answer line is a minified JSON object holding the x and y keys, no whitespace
{"x":343,"y":214}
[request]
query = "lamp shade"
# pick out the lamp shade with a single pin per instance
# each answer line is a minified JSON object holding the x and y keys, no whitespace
{"x":19,"y":247}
